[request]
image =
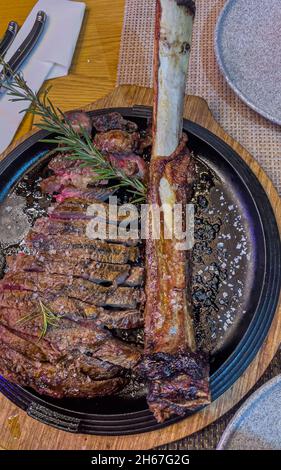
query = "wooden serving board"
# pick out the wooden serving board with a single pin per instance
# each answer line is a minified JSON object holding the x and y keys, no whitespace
{"x":30,"y":434}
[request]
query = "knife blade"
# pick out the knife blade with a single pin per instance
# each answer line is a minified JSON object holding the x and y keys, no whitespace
{"x":24,"y":50}
{"x":8,"y":37}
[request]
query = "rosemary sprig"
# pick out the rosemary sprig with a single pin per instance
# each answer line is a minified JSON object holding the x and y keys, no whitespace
{"x":48,"y":319}
{"x":80,"y":147}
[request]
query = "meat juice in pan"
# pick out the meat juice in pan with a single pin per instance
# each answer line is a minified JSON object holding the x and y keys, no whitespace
{"x":220,"y":256}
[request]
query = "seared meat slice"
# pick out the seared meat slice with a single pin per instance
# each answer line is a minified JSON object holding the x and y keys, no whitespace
{"x":146,"y":140}
{"x":130,"y":164}
{"x":81,"y":289}
{"x":85,"y":209}
{"x":135,"y":278}
{"x":98,"y":369}
{"x":87,"y":269}
{"x":58,"y":380}
{"x":51,"y":185}
{"x":82,"y":343}
{"x":61,"y":163}
{"x":52,"y":264}
{"x":77,"y":176}
{"x":120,"y":319}
{"x":84,"y":248}
{"x":30,"y":347}
{"x":91,"y":194}
{"x":110,"y":121}
{"x":117,"y":141}
{"x":21,"y":303}
{"x":80,"y":121}
{"x":17,"y":304}
{"x":79,"y":228}
{"x":61,"y":191}
{"x":69,"y":172}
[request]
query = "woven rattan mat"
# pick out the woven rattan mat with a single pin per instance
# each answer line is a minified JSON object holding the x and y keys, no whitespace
{"x":260,"y":137}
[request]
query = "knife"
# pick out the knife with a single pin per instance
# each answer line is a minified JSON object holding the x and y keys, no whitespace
{"x":9,"y":37}
{"x":25,"y":49}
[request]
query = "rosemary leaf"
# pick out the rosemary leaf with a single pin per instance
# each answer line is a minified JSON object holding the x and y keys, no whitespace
{"x":79,"y":145}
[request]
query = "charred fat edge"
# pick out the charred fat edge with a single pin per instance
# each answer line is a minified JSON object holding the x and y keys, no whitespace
{"x":173,"y":35}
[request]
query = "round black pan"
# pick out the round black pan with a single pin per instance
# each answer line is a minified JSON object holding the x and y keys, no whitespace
{"x":238,"y":328}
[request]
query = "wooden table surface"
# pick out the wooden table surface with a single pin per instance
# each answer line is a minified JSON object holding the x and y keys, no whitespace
{"x":94,"y":67}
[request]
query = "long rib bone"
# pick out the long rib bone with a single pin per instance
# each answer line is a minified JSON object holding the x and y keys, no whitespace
{"x":173,"y":33}
{"x":176,"y":372}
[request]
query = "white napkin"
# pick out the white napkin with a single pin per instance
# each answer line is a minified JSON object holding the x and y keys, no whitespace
{"x":51,"y":57}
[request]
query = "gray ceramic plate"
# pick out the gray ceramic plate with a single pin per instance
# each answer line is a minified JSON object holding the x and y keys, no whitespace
{"x":248,"y":50}
{"x":257,"y":425}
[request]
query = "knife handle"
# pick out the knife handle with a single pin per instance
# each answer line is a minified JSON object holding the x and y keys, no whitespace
{"x":29,"y":43}
{"x":8,"y":38}
{"x":25,"y":48}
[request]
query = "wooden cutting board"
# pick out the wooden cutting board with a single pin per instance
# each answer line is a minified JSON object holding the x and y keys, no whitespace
{"x":19,"y":431}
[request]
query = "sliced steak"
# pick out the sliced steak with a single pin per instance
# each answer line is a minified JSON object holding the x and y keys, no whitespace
{"x":27,"y":303}
{"x":60,"y":303}
{"x":65,"y":340}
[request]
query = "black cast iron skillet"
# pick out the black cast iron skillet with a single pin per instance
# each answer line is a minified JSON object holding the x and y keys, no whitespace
{"x":237,"y":340}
